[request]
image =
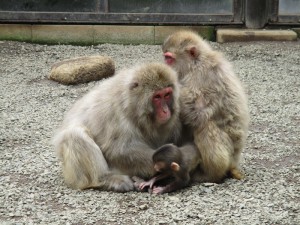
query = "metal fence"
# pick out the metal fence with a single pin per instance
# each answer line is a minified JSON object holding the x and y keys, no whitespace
{"x":249,"y":13}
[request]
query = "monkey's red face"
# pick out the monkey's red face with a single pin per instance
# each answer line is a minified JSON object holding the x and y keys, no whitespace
{"x":169,"y":58}
{"x":162,"y":101}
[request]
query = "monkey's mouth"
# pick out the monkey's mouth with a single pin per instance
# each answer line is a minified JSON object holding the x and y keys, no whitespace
{"x":169,"y":58}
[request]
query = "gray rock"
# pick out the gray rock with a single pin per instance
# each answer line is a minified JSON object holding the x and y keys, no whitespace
{"x":82,"y":69}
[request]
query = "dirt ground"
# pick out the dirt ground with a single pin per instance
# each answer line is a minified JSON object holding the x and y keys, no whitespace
{"x":32,"y":190}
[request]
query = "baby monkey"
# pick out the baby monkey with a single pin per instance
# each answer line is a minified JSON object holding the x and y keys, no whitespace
{"x":173,"y":165}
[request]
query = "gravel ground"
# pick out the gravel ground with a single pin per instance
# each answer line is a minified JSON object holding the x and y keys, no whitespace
{"x":32,"y":190}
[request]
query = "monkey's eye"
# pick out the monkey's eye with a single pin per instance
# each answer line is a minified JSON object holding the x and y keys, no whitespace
{"x":168,"y":95}
{"x":157,"y":97}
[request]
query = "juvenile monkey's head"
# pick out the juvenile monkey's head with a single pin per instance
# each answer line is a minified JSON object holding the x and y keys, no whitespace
{"x":167,"y":157}
{"x":183,"y":49}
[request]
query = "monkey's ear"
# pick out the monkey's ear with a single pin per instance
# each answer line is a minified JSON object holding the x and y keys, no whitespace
{"x":193,"y":51}
{"x":133,"y":85}
{"x":175,"y":166}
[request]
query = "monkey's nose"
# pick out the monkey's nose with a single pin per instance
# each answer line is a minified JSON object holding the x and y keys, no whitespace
{"x":168,"y":55}
{"x":169,"y":58}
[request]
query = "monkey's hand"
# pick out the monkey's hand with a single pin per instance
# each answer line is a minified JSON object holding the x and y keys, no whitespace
{"x":148,"y":184}
{"x":138,"y":183}
{"x":142,"y":185}
{"x":193,"y":108}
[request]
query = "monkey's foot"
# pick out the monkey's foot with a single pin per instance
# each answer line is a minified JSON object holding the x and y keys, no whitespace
{"x":236,"y":174}
{"x":158,"y":190}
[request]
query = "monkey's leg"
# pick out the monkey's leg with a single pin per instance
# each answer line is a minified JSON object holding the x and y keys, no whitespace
{"x":150,"y":183}
{"x":84,"y":165}
{"x":216,"y":149}
{"x":238,"y":135}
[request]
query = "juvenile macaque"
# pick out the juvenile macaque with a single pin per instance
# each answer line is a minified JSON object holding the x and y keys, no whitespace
{"x":213,"y":104}
{"x":172,"y":162}
{"x":111,"y":133}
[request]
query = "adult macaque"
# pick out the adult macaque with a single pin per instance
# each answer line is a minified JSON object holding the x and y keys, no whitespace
{"x":111,"y":133}
{"x":213,"y":104}
{"x":171,"y":162}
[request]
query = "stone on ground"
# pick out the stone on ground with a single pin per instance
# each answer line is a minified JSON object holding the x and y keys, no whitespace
{"x":82,"y":69}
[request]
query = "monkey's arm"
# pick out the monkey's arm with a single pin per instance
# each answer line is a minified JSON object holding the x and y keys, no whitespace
{"x":173,"y":186}
{"x":150,"y":183}
{"x":133,"y":158}
{"x":182,"y":179}
{"x":197,"y":109}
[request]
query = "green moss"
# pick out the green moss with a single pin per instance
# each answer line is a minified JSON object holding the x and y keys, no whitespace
{"x":61,"y":42}
{"x":15,"y":32}
{"x":207,"y":32}
{"x":89,"y":35}
{"x":297,"y":30}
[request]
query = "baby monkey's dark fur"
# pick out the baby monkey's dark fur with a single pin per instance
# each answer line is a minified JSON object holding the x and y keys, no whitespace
{"x":173,"y":162}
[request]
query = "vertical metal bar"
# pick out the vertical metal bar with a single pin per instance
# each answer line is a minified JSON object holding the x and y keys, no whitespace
{"x":256,"y":12}
{"x":97,"y":6}
{"x":238,"y":10}
{"x":104,"y":6}
{"x":273,"y":10}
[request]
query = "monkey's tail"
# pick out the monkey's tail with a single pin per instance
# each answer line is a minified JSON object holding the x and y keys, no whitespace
{"x":82,"y":160}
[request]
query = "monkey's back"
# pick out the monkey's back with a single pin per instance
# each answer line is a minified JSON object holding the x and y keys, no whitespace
{"x":103,"y":117}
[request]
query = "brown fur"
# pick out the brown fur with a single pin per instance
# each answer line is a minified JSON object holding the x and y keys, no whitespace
{"x":213,"y":104}
{"x":110,"y":134}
